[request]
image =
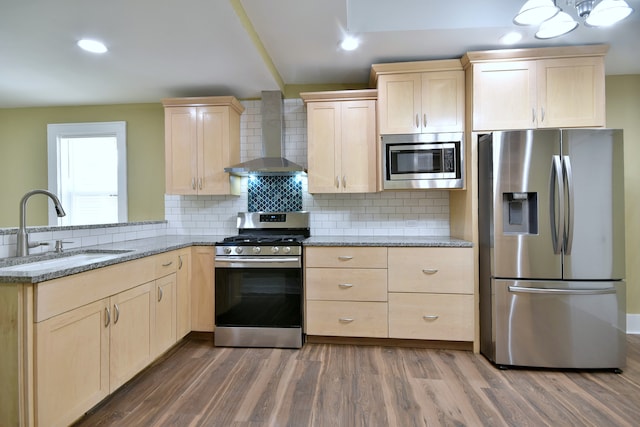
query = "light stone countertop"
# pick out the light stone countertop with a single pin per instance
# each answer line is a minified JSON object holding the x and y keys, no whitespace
{"x":151,"y":246}
{"x":409,"y":241}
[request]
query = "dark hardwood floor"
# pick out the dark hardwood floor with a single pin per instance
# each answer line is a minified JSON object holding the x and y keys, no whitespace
{"x":197,"y":384}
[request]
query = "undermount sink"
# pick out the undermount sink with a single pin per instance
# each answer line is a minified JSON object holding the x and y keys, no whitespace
{"x":71,"y":260}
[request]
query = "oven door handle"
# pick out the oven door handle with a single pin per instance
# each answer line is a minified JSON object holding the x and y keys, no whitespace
{"x":279,"y":262}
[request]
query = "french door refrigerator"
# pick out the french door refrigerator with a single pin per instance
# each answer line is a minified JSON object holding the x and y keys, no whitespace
{"x":551,"y":231}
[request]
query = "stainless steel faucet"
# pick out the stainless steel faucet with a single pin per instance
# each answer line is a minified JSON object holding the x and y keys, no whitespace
{"x":23,"y":237}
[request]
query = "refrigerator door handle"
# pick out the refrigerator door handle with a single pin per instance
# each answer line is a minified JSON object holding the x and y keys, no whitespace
{"x":524,"y":290}
{"x":555,"y":221}
{"x":568,"y":176}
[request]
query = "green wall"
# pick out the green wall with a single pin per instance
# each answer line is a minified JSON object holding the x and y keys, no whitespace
{"x":23,"y":157}
{"x":623,"y":111}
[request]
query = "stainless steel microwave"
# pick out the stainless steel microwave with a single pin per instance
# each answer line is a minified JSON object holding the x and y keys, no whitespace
{"x":418,"y":161}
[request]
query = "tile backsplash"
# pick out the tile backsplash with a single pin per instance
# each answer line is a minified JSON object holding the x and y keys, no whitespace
{"x":403,"y":213}
{"x":274,"y":193}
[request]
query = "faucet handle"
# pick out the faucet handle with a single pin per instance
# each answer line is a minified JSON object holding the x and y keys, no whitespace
{"x":59,"y":248}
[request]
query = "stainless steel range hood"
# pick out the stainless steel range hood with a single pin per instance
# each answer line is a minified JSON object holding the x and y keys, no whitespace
{"x":271,"y":162}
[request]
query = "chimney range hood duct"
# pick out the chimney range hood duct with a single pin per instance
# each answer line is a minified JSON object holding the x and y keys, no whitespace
{"x":271,"y":162}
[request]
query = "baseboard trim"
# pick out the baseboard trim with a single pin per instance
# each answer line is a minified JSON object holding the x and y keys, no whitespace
{"x":633,"y":323}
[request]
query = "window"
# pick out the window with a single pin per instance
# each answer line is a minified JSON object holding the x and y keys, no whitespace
{"x":88,"y":172}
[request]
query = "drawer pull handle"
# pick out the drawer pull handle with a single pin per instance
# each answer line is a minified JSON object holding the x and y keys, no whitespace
{"x":430,"y":317}
{"x":107,"y":317}
{"x":346,"y":319}
{"x":180,"y":262}
{"x":345,"y":258}
{"x":160,"y":294}
{"x":429,"y":270}
{"x":167,"y":264}
{"x":345,"y":285}
{"x":116,"y":313}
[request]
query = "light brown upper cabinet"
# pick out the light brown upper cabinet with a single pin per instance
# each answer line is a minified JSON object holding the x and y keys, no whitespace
{"x":202,"y":137}
{"x":342,"y":150}
{"x":537,"y":88}
{"x":420,"y":97}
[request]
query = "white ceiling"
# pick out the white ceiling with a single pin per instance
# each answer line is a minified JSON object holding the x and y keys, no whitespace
{"x":175,"y":48}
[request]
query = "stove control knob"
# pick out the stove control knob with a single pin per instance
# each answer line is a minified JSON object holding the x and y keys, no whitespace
{"x":227,"y":250}
{"x":239,"y":250}
{"x":275,"y":249}
{"x":287,"y":250}
{"x":256,"y":249}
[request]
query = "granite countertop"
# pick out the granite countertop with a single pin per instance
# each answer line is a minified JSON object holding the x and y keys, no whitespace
{"x":151,"y":246}
{"x":444,"y":242}
{"x":135,"y":249}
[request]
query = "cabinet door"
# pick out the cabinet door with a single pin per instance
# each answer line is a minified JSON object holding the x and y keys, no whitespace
{"x":165,"y":313}
{"x":324,"y":133}
{"x":443,"y":101}
{"x":180,"y":150}
{"x":358,"y":158}
{"x":183,"y":294}
{"x":72,"y":363}
{"x":400,"y":99}
{"x":131,"y":316}
{"x":571,"y":92}
{"x":213,"y":150}
{"x":202,"y":291}
{"x":504,"y":95}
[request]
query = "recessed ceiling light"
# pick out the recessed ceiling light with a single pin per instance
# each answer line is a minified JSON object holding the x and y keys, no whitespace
{"x":511,"y":38}
{"x":349,"y":43}
{"x":92,"y":46}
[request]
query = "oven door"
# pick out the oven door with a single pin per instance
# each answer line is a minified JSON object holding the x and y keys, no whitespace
{"x":258,"y":292}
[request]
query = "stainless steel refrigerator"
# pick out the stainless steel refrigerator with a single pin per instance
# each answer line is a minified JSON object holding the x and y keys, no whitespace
{"x":551,"y":231}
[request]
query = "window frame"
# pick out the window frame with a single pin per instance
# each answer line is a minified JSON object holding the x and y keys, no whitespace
{"x":55,"y":131}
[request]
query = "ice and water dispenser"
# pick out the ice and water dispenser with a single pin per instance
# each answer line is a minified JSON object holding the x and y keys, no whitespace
{"x":520,"y":213}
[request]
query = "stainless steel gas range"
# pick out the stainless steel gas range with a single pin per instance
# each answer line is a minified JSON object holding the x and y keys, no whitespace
{"x":258,"y":281}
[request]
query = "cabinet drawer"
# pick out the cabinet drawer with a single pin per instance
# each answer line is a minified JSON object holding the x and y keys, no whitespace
{"x":346,"y":257}
{"x":346,"y":284}
{"x":431,"y":316}
{"x":347,"y":319}
{"x":166,"y":263}
{"x":441,"y":270}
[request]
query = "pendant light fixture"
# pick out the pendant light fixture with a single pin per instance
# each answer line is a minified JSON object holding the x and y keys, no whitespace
{"x":554,"y":22}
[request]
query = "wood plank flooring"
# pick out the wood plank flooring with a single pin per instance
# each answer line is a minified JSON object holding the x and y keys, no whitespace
{"x":197,"y":384}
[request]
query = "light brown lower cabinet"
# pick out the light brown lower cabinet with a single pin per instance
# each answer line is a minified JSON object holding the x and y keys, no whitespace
{"x":202,"y":290}
{"x":67,"y":343}
{"x":395,"y":292}
{"x":183,"y":293}
{"x":86,"y":353}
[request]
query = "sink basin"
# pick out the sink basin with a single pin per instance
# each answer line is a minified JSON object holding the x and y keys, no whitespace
{"x":75,"y":259}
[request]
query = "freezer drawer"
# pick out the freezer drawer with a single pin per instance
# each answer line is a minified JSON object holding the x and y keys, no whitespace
{"x":559,"y":324}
